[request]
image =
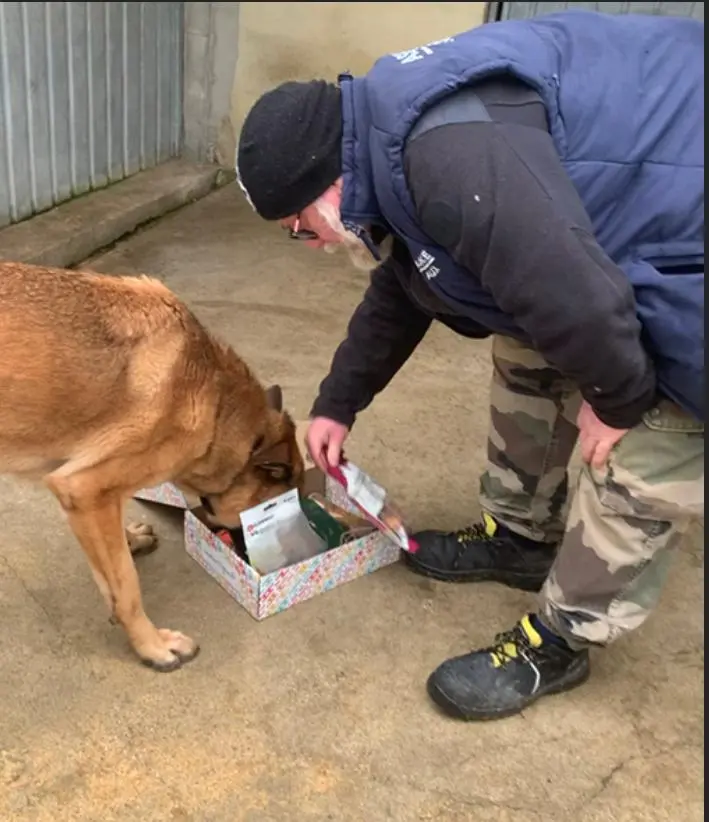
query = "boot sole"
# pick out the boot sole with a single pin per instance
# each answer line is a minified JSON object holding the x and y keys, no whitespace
{"x":522,"y":582}
{"x":573,"y":680}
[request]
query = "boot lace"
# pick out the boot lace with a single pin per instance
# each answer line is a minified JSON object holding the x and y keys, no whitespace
{"x":508,"y":646}
{"x":473,"y":533}
{"x":467,"y":537}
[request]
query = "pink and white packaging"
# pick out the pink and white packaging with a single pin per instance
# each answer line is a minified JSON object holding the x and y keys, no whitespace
{"x":371,"y":500}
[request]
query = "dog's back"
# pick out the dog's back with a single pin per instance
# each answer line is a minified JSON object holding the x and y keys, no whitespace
{"x":80,"y":351}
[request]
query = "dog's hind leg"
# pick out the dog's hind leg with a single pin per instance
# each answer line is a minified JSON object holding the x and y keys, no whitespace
{"x":96,"y":517}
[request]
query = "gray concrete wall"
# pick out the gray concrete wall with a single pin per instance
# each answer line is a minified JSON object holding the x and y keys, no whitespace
{"x":236,"y":51}
{"x":299,"y":41}
{"x":211,"y":48}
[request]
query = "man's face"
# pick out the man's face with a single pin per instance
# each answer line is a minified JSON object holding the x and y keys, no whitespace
{"x":319,"y":226}
{"x":312,"y":220}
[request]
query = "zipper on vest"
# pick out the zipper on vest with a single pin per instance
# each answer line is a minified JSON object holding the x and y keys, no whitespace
{"x":363,"y":235}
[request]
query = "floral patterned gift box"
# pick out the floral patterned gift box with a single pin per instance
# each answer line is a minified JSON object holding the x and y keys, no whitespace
{"x":264,"y":595}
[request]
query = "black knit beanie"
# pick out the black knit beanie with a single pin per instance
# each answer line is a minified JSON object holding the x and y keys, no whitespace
{"x":290,"y":147}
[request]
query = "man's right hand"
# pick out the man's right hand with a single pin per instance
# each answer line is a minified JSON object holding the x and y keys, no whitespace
{"x":324,"y":440}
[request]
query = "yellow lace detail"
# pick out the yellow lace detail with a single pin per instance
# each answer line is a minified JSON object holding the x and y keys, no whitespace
{"x":507,"y":649}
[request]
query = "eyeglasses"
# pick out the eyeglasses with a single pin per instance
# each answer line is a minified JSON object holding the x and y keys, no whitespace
{"x":298,"y":233}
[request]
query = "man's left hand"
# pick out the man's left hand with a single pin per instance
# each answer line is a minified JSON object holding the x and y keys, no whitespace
{"x":597,"y":439}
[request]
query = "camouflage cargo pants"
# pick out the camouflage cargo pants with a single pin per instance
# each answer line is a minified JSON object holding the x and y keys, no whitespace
{"x":619,"y":531}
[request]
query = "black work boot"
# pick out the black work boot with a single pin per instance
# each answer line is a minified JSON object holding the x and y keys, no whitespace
{"x":485,"y":552}
{"x":505,"y":678}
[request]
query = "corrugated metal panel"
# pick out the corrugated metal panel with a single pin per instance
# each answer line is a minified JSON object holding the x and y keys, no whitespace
{"x":516,"y":11}
{"x":90,"y":93}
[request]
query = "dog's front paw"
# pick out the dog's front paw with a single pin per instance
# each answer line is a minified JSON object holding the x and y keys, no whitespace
{"x":175,"y":650}
{"x":141,"y":538}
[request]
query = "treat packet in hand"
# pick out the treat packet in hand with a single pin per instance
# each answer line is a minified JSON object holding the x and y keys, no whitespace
{"x":371,"y":499}
{"x":277,"y":533}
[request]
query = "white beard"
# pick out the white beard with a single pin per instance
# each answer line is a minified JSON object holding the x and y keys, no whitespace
{"x":357,"y":252}
{"x":360,"y":256}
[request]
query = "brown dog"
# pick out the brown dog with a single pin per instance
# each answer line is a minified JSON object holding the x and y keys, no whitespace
{"x":109,"y":385}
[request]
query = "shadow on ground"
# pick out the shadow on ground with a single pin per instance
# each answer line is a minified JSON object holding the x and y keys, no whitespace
{"x":320,"y":713}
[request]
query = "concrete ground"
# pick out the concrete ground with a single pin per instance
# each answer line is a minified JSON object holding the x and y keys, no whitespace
{"x":320,"y":713}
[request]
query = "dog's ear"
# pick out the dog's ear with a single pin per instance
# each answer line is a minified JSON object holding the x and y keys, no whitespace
{"x":274,"y":398}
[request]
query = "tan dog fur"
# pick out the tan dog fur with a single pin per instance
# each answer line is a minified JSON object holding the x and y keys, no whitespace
{"x":109,"y":385}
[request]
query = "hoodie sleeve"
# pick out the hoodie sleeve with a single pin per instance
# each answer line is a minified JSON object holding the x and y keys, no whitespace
{"x":382,"y":334}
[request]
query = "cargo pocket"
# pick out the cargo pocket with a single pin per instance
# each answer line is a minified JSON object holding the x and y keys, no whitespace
{"x":656,"y":471}
{"x":668,"y":417}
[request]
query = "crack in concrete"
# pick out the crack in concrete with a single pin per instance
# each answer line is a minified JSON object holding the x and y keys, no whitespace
{"x":482,"y":802}
{"x":30,"y":593}
{"x":646,"y":735}
{"x":607,"y":780}
{"x":475,"y":801}
{"x":33,"y":596}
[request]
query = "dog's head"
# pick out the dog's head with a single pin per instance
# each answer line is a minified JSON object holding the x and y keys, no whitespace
{"x":270,"y":464}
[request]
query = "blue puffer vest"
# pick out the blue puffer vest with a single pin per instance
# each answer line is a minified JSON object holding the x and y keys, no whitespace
{"x":624,"y":97}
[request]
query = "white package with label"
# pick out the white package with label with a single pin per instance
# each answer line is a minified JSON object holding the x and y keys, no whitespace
{"x":277,"y":534}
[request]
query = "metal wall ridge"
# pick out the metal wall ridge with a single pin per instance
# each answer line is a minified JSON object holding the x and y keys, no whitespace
{"x":90,"y":93}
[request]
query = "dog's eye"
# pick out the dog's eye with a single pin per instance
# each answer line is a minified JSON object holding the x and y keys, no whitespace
{"x":278,"y":471}
{"x":207,"y":505}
